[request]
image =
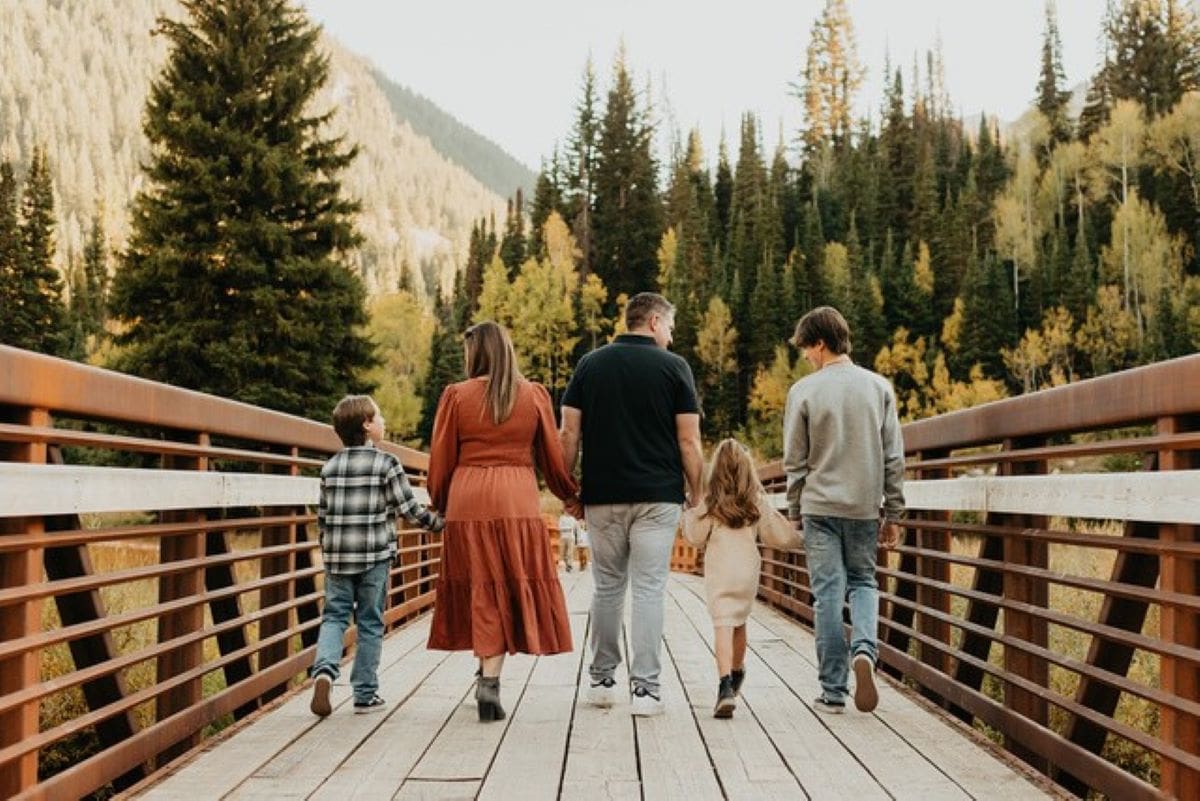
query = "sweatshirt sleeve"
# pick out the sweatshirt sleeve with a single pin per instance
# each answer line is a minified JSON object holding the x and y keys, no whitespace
{"x":893,"y":460}
{"x":775,"y":530}
{"x":696,"y":527}
{"x":795,"y":450}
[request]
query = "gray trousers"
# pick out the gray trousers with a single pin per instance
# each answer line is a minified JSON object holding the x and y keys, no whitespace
{"x":631,"y":545}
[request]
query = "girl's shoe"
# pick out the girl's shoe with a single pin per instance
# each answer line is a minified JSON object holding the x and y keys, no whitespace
{"x":736,"y":677}
{"x":487,"y":696}
{"x":726,"y":699}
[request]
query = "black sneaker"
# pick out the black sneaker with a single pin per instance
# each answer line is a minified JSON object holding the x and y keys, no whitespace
{"x":736,"y":677}
{"x":645,"y":703}
{"x":726,"y":699}
{"x":376,"y":704}
{"x":828,"y":707}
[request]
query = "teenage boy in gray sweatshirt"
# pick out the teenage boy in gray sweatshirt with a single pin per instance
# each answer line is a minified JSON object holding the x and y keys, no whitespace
{"x":844,"y":460}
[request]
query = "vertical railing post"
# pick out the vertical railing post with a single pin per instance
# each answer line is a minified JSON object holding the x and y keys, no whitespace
{"x":280,"y":592}
{"x":21,"y":569}
{"x":934,"y":569}
{"x":1026,"y":552}
{"x":188,"y":584}
{"x":1179,"y":677}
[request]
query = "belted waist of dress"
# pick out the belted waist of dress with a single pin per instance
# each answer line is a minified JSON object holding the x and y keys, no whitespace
{"x":496,"y":464}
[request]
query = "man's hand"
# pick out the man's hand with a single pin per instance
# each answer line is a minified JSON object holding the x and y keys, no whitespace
{"x":574,"y":507}
{"x":889,"y":534}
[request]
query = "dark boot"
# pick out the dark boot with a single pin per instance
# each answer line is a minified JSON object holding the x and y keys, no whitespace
{"x":737,"y":676}
{"x":726,"y":700}
{"x":487,"y":696}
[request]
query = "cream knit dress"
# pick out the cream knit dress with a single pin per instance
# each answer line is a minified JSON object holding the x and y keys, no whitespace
{"x":731,"y":560}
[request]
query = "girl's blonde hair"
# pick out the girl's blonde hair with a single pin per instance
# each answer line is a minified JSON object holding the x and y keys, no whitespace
{"x":490,"y":353}
{"x":733,"y":486}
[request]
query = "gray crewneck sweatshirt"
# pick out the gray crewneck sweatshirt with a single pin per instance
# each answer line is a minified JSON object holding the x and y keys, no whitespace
{"x":842,"y":448}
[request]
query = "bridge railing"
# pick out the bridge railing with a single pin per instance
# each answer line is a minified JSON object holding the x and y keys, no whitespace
{"x":159,"y":569}
{"x":1048,"y":588}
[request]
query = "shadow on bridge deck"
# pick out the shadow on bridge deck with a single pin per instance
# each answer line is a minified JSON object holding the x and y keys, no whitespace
{"x":428,"y":744}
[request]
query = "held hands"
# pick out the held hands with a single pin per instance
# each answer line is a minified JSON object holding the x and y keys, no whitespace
{"x":574,"y":507}
{"x":889,"y":534}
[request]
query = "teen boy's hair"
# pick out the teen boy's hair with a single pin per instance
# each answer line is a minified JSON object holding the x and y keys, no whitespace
{"x":349,"y":416}
{"x":823,"y":324}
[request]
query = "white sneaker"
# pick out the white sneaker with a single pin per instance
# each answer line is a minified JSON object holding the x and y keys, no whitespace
{"x":646,"y":703}
{"x":603,"y":693}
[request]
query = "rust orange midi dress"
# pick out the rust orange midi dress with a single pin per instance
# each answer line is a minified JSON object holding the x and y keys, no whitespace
{"x":498,"y":589}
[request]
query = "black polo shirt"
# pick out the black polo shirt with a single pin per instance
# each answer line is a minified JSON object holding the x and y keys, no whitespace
{"x":629,"y":392}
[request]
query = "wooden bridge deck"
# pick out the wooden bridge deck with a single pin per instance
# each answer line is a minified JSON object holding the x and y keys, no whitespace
{"x":428,"y":744}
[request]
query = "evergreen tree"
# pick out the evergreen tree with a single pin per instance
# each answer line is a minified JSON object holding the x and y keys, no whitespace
{"x":547,"y":200}
{"x":832,"y":75}
{"x":445,"y":363}
{"x":89,"y":289}
{"x":34,"y":316}
{"x":233,"y":282}
{"x":722,"y":196}
{"x":512,"y":244}
{"x":989,"y":320}
{"x":627,"y":215}
{"x":580,"y":199}
{"x":1051,"y":96}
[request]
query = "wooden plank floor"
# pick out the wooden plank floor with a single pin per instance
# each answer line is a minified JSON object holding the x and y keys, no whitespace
{"x":429,"y":745}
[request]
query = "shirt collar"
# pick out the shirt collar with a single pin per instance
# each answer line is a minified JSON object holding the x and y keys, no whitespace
{"x":636,"y":339}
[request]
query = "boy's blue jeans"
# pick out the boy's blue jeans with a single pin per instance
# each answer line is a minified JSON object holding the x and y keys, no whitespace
{"x":841,"y":555}
{"x":364,"y":594}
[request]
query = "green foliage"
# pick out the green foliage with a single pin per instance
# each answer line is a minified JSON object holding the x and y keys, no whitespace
{"x":234,"y":281}
{"x":34,"y":316}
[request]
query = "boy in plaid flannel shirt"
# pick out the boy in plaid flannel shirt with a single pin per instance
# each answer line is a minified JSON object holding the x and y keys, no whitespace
{"x":363,"y":489}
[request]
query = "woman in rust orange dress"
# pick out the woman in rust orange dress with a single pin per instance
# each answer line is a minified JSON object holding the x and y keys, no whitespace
{"x":497,"y":591}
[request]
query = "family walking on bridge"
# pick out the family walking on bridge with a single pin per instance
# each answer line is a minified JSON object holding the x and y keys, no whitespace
{"x":631,"y":408}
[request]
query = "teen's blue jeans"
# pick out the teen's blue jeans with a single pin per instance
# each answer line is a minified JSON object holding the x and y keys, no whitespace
{"x":841,"y":555}
{"x":363,"y":594}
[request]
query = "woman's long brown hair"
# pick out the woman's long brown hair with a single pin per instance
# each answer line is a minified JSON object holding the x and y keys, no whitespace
{"x":490,"y":353}
{"x":733,"y":486}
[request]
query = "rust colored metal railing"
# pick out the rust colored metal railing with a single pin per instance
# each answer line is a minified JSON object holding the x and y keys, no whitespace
{"x":127,"y":634}
{"x":1048,"y":588}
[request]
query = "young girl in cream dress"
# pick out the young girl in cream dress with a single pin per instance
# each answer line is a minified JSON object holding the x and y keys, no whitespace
{"x":734,"y":516}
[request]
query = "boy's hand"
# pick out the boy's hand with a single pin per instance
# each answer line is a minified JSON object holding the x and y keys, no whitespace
{"x":574,"y":507}
{"x":889,"y":534}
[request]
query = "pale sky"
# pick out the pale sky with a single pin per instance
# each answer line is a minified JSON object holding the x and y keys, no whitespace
{"x":512,"y":70}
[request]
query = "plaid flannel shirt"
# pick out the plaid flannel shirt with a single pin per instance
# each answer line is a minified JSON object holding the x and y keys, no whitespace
{"x":362,"y":491}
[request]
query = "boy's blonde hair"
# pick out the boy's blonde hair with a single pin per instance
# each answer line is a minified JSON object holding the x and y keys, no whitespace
{"x":733,"y":486}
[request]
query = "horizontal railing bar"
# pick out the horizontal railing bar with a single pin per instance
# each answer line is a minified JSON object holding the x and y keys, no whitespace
{"x":48,"y":589}
{"x":1082,"y":668}
{"x":165,"y":447}
{"x":1151,"y":443}
{"x":135,"y":699}
{"x":1132,"y":639}
{"x":1116,"y":542}
{"x":1150,"y":743}
{"x":1099,"y":586}
{"x":46,"y":639}
{"x":94,"y":536}
{"x":76,"y":677}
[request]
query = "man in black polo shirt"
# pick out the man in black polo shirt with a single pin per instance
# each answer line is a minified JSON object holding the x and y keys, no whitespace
{"x":633,"y":405}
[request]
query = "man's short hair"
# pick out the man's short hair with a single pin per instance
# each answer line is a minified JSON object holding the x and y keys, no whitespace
{"x":349,"y":416}
{"x":644,"y":305}
{"x":823,"y":324}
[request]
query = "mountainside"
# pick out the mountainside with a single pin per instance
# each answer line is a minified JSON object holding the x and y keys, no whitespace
{"x":74,"y":75}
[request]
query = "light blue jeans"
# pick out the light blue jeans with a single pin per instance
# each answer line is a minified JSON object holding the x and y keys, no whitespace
{"x":841,"y":555}
{"x":363,"y":594}
{"x":631,"y":545}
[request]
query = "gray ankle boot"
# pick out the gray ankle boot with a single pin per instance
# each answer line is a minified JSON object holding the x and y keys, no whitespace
{"x":487,"y":696}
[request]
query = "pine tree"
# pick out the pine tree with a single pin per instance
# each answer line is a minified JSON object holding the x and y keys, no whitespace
{"x":34,"y":316}
{"x":1051,"y":96}
{"x":445,"y":363}
{"x":547,"y":200}
{"x":234,"y":281}
{"x":989,"y":320}
{"x":513,"y":250}
{"x":832,"y":75}
{"x":627,"y":214}
{"x":580,"y":196}
{"x":89,"y":289}
{"x":722,"y":197}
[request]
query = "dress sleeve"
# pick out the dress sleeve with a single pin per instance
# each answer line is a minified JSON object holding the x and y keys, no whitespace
{"x":443,"y":449}
{"x":696,"y":527}
{"x":775,"y":530}
{"x":547,"y":449}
